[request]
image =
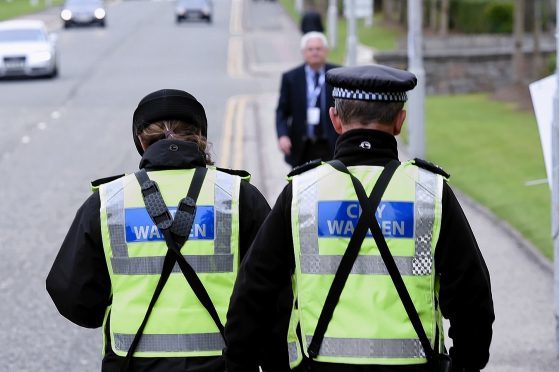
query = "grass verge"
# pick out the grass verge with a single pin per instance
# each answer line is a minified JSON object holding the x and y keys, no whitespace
{"x":492,"y":151}
{"x":14,"y":8}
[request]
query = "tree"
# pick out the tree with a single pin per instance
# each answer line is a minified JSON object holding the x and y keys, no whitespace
{"x":518,"y":54}
{"x":537,"y":52}
{"x":388,"y":10}
{"x":433,"y":15}
{"x":445,"y":10}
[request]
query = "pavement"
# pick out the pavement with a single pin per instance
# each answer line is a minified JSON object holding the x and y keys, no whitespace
{"x":522,"y":282}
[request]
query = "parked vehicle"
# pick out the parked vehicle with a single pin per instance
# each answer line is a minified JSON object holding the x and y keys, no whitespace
{"x":27,"y":49}
{"x":83,"y":12}
{"x":194,"y":9}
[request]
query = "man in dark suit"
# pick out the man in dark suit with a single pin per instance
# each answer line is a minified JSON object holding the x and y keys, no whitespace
{"x":303,"y":125}
{"x":311,"y":21}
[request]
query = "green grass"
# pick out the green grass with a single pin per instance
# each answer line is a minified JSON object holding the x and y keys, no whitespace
{"x":378,"y":37}
{"x":491,"y":150}
{"x":15,"y":8}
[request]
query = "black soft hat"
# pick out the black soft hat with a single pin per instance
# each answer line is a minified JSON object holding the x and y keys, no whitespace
{"x":168,"y":104}
{"x":371,"y":83}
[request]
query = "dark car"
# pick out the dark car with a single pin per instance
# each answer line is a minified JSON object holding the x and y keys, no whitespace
{"x":83,"y":12}
{"x":194,"y":9}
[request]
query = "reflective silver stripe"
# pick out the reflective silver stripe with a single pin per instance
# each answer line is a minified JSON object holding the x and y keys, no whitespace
{"x":223,"y":200}
{"x":424,"y":216}
{"x":308,"y":230}
{"x":114,"y":196}
{"x":318,"y":264}
{"x":221,"y":263}
{"x":171,"y":343}
{"x":292,"y":350}
{"x":370,"y":348}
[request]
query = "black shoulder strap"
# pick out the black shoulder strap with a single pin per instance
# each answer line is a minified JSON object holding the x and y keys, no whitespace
{"x":368,"y":204}
{"x":350,"y":254}
{"x":431,"y":167}
{"x":304,"y":167}
{"x":182,"y":224}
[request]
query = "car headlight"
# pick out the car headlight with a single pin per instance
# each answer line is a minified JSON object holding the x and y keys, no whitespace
{"x":99,"y":13}
{"x":66,"y":15}
{"x":206,"y":10}
{"x":181,"y":10}
{"x":43,"y":56}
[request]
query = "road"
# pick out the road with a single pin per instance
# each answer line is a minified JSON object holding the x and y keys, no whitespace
{"x":57,"y":135}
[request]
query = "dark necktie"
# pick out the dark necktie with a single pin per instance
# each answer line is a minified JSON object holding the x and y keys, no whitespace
{"x":318,"y":127}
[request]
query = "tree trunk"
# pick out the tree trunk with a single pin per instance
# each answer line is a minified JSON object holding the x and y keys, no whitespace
{"x":403,"y":12}
{"x":518,"y":56}
{"x":537,"y":56}
{"x":433,"y":15}
{"x":388,"y":10}
{"x":445,"y":9}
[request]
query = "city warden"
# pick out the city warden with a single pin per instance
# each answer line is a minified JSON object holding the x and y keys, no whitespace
{"x":153,"y":256}
{"x":369,"y":288}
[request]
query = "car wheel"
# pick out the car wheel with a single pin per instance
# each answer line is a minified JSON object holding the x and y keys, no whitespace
{"x":66,"y":25}
{"x":102,"y":24}
{"x":54,"y":72}
{"x":209,"y":19}
{"x":179,"y":19}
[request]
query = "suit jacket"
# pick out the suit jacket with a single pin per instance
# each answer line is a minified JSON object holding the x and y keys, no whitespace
{"x":291,"y":112}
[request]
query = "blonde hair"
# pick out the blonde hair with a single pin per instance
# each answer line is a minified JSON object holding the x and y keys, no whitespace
{"x":178,"y":130}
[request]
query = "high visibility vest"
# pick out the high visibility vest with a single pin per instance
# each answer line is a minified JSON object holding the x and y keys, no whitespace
{"x":179,"y":325}
{"x":369,"y":325}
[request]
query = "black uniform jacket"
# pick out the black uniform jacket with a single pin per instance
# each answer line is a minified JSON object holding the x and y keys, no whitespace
{"x":79,"y":282}
{"x":465,"y":292}
{"x":291,"y":112}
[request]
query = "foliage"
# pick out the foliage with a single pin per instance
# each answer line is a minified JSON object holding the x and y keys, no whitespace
{"x":482,"y":16}
{"x":500,"y":18}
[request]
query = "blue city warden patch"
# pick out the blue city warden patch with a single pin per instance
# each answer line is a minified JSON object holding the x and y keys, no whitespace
{"x":339,"y":218}
{"x":140,"y":227}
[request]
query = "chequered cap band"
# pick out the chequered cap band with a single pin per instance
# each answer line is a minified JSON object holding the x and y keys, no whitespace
{"x":362,"y":95}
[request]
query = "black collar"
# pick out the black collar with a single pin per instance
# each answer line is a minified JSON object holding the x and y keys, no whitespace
{"x":172,"y":154}
{"x":366,"y":147}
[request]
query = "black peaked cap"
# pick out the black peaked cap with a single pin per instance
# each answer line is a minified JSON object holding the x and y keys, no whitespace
{"x":371,"y":83}
{"x":168,"y":104}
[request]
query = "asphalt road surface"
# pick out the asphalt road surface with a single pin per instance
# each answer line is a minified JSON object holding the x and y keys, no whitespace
{"x":57,"y":135}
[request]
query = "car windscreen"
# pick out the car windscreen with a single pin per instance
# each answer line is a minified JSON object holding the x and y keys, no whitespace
{"x":193,"y":3}
{"x":83,"y":3}
{"x":21,"y":35}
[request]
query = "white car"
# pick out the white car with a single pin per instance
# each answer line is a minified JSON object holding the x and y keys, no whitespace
{"x":27,"y":49}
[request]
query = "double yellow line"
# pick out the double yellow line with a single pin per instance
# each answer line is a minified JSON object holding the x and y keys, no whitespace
{"x":231,"y":153}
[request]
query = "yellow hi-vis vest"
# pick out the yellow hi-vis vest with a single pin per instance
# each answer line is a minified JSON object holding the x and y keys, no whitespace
{"x":369,"y":324}
{"x":179,"y":325}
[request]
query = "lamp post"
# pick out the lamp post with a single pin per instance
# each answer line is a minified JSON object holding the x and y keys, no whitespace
{"x":351,"y":34}
{"x":332,"y":23}
{"x":555,"y":184}
{"x":416,"y":103}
